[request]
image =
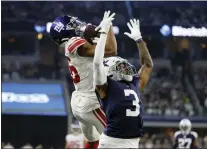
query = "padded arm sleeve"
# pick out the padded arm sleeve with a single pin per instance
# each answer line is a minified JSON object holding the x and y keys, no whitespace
{"x":100,"y":77}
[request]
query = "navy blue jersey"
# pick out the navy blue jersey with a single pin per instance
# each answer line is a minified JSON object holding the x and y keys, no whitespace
{"x":122,"y":106}
{"x":185,"y":141}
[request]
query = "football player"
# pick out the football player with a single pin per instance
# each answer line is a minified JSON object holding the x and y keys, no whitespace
{"x":68,"y":32}
{"x":118,"y":89}
{"x":185,"y":138}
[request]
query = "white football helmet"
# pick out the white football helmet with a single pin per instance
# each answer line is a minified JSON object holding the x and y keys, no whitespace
{"x":119,"y":69}
{"x":185,"y":126}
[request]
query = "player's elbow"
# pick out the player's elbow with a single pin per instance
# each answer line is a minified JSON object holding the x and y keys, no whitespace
{"x":111,"y":50}
{"x":149,"y":64}
{"x":110,"y":53}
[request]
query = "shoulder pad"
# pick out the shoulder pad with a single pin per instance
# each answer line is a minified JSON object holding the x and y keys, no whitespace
{"x":194,"y":134}
{"x":177,"y":133}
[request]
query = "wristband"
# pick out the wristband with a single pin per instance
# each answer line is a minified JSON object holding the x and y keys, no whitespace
{"x":138,"y":40}
{"x":104,"y":33}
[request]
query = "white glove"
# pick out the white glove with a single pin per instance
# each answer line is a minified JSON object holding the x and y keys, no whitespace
{"x":105,"y":24}
{"x":135,"y":30}
{"x":95,"y":40}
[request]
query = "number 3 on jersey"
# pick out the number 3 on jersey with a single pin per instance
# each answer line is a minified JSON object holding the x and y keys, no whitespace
{"x":74,"y":74}
{"x":135,"y":102}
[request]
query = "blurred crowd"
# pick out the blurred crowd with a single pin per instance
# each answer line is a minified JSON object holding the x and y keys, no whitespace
{"x":9,"y":145}
{"x":160,"y":140}
{"x":149,"y":13}
{"x":149,"y":140}
{"x":165,"y":94}
{"x":16,"y":71}
{"x":201,"y":86}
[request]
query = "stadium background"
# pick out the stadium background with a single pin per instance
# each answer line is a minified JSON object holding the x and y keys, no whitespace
{"x":36,"y":84}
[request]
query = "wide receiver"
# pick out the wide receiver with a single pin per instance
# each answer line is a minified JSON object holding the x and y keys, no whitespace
{"x":118,"y":89}
{"x":68,"y":32}
{"x":185,"y":138}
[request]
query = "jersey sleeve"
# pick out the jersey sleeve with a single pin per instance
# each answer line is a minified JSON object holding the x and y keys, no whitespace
{"x":176,"y":134}
{"x":194,"y":134}
{"x":73,"y":44}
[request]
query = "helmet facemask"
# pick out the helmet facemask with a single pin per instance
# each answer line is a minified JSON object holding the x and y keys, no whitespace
{"x":122,"y":70}
{"x":78,"y":25}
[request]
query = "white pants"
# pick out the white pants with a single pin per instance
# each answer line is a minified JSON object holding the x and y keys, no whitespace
{"x":86,"y":109}
{"x":91,"y":123}
{"x":109,"y":142}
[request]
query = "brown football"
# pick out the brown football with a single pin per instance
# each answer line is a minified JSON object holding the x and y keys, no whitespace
{"x":90,"y":33}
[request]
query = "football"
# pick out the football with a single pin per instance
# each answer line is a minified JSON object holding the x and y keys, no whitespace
{"x":90,"y":33}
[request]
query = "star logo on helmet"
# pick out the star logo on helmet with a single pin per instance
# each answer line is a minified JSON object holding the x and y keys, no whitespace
{"x":105,"y":63}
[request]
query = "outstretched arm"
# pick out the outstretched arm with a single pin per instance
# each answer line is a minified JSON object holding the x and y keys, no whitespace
{"x":87,"y":49}
{"x":145,"y":58}
{"x":100,"y":78}
{"x":146,"y":64}
{"x":111,"y":44}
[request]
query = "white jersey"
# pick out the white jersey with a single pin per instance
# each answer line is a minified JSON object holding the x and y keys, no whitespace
{"x":75,"y":141}
{"x":81,"y":69}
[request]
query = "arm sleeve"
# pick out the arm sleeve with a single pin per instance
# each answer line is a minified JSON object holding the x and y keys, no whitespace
{"x":100,"y":77}
{"x":73,"y":44}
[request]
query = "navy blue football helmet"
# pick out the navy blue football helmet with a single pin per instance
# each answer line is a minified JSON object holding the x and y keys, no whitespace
{"x":65,"y":27}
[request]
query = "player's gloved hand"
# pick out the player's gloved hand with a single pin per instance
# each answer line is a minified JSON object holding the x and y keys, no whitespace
{"x":105,"y":24}
{"x":135,"y":30}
